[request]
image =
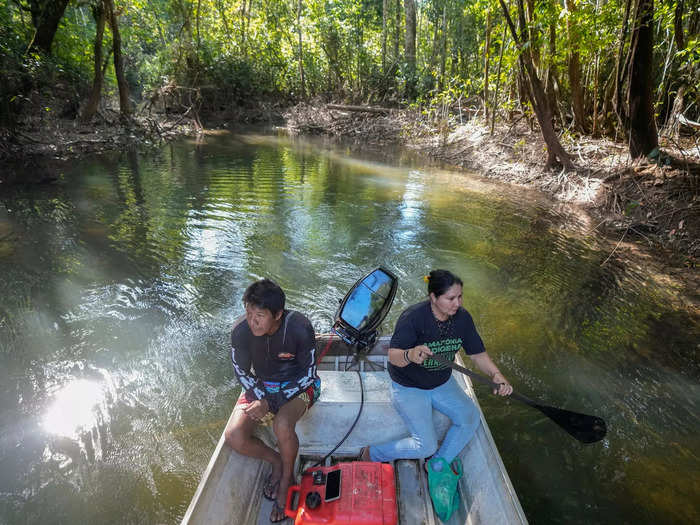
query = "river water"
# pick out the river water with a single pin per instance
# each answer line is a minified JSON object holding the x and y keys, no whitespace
{"x":120,"y":283}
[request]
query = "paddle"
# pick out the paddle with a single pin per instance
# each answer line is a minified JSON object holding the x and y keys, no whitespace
{"x":587,"y":429}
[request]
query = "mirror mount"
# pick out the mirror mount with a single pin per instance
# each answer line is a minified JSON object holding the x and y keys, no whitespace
{"x":362,"y":311}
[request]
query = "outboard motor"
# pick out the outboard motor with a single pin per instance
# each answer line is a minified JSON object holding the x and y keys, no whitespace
{"x":363,"y":309}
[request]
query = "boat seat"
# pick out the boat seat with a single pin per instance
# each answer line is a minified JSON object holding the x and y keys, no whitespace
{"x":334,"y":412}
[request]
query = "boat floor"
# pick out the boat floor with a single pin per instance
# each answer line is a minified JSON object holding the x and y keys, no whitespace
{"x":415,"y":507}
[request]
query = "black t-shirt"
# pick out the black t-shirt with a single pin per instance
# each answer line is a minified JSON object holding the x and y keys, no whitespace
{"x":417,"y":326}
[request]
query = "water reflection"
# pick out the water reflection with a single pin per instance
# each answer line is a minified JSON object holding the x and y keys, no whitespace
{"x":122,"y":282}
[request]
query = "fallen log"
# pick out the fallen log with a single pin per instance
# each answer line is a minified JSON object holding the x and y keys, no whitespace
{"x":367,"y":109}
{"x":690,"y":123}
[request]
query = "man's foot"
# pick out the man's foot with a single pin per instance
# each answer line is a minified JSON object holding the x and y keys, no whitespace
{"x":272,"y":482}
{"x":277,"y":514}
{"x":281,"y":500}
{"x":270,"y":487}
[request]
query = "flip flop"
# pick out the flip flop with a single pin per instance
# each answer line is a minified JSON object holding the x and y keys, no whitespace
{"x":269,"y":491}
{"x":277,"y":510}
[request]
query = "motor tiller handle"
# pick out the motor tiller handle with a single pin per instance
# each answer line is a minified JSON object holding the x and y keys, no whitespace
{"x":290,"y":497}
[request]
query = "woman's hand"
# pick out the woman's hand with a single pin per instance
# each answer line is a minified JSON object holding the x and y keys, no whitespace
{"x":504,"y":388}
{"x":418,"y":354}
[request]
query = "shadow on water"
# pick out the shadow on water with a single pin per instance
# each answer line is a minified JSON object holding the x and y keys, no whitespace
{"x":121,"y":281}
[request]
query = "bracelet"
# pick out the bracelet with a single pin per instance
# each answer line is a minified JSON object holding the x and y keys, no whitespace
{"x":405,"y":356}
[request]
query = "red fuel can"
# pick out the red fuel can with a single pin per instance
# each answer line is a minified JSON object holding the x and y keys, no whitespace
{"x":359,"y":492}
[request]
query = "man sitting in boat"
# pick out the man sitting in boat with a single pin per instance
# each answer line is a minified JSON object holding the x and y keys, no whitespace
{"x":439,"y":326}
{"x":273,"y":353}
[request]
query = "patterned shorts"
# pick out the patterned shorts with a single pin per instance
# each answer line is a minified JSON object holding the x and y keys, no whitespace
{"x":308,"y":396}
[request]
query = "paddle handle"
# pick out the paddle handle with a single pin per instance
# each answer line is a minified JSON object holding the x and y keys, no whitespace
{"x":482,"y":379}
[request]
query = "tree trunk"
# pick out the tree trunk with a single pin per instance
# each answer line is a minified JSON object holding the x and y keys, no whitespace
{"x":672,"y":123}
{"x":90,"y":107}
{"x":443,"y":53}
{"x":577,"y":92}
{"x":532,"y":32}
{"x":620,"y":71}
{"x":124,"y":103}
{"x":410,"y":48}
{"x":487,"y":44}
{"x":551,"y":86}
{"x":46,"y":16}
{"x":596,"y":74}
{"x":385,"y":17}
{"x":397,"y":34}
{"x":498,"y":79}
{"x":663,"y":98}
{"x":643,"y":137}
{"x":301,"y":50}
{"x":537,"y":96}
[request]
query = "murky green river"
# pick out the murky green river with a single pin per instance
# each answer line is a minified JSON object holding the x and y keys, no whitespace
{"x":120,"y":282}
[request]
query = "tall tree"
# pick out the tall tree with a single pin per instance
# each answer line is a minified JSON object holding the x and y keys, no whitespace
{"x":410,"y":48}
{"x":688,"y":77}
{"x":124,"y":102}
{"x":643,"y":136}
{"x":621,"y":65}
{"x":46,"y":15}
{"x":90,"y":108}
{"x":397,"y":33}
{"x":385,"y":17}
{"x":535,"y":92}
{"x":487,"y":44}
{"x":301,"y":49}
{"x":443,"y":51}
{"x":574,"y":66}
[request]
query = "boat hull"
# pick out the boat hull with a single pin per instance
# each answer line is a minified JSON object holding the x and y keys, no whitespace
{"x":230,"y":489}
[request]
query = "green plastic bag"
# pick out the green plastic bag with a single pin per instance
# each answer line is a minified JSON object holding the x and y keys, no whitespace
{"x":442,"y":485}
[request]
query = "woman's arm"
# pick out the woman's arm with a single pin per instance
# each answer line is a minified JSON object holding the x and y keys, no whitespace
{"x":483,"y":361}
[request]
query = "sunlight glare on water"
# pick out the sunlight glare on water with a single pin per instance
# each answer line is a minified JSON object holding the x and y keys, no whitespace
{"x":73,"y":408}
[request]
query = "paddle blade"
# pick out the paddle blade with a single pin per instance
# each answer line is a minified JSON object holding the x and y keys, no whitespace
{"x":585,"y":428}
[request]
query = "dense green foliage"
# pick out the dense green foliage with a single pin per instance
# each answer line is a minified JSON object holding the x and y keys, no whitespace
{"x":216,"y":53}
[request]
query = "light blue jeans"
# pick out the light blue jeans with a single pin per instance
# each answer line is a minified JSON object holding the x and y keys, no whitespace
{"x":415,"y":406}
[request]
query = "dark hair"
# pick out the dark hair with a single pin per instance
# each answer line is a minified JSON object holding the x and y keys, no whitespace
{"x":265,"y":294}
{"x":439,"y":281}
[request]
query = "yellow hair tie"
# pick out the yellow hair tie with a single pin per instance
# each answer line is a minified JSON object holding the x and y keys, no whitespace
{"x":426,"y":278}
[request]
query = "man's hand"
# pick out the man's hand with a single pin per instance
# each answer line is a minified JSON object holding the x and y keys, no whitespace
{"x":257,"y":409}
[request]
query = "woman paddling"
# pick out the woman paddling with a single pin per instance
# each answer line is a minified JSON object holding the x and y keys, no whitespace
{"x":441,"y":326}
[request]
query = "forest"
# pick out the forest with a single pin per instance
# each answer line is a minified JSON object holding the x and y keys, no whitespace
{"x":624,"y":69}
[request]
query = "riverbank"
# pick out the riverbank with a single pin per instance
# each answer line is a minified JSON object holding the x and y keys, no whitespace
{"x":647,"y":209}
{"x":43,"y":142}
